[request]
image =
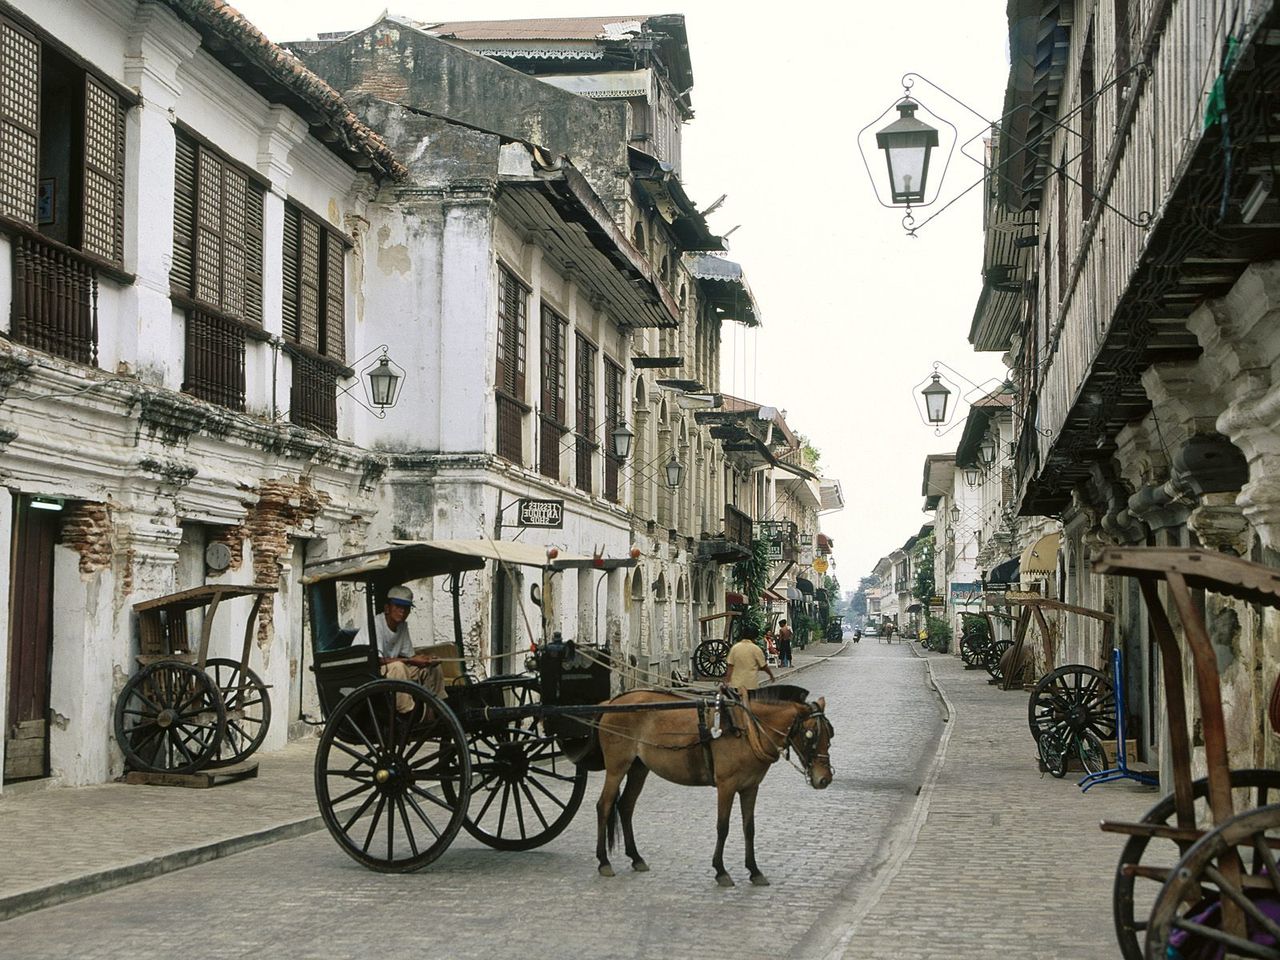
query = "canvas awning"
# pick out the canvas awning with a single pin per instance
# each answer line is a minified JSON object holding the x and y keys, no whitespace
{"x":1041,"y":558}
{"x":1006,"y":572}
{"x":794,"y":594}
{"x":805,"y":586}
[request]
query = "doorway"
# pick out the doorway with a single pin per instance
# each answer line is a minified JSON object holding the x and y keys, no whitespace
{"x":36,"y":523}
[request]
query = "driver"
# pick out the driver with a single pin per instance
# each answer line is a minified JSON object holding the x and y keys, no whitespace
{"x":395,"y":648}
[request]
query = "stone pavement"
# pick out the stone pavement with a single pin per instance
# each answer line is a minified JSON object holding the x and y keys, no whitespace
{"x":1000,"y":861}
{"x":61,"y":843}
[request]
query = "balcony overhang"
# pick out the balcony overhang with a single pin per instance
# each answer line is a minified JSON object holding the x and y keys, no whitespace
{"x":723,"y":284}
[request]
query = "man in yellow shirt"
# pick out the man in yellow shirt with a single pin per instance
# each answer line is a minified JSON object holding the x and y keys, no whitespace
{"x":746,"y":660}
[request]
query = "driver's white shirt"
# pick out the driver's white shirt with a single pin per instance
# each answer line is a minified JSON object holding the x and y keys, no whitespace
{"x":393,"y":643}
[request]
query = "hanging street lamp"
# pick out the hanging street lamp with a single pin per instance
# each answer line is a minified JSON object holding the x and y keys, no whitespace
{"x":971,"y":475}
{"x":955,"y":514}
{"x":906,"y":143}
{"x":384,"y":383}
{"x":621,"y":438}
{"x":935,"y":400}
{"x":675,"y":472}
{"x":987,"y":450}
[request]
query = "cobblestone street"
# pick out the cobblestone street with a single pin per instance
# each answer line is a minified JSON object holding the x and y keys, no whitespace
{"x":303,"y":898}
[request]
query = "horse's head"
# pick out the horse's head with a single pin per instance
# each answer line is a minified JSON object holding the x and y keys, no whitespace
{"x":810,"y":737}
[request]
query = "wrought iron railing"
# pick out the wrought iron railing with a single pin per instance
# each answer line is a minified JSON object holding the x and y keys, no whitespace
{"x":313,"y":400}
{"x":215,"y":359}
{"x":510,"y":428}
{"x":55,"y":300}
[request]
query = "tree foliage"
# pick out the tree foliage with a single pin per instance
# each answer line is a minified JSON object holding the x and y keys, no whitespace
{"x":922,"y":559}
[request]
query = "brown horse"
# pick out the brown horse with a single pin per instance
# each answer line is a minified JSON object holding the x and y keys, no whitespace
{"x":672,"y":743}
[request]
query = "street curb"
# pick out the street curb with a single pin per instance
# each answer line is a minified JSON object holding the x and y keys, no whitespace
{"x":67,"y":890}
{"x":903,"y":844}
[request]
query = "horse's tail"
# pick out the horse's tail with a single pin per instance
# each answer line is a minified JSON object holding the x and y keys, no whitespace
{"x":611,"y":829}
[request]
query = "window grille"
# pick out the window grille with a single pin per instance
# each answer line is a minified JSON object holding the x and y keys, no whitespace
{"x":314,"y":397}
{"x":215,"y":359}
{"x":513,"y":306}
{"x":586,"y":397}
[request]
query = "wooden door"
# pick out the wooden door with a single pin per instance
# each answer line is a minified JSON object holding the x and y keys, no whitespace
{"x":26,"y":752}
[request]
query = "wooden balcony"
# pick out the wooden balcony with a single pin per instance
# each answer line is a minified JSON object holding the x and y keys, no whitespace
{"x":313,"y":401}
{"x":55,"y":299}
{"x":733,"y":543}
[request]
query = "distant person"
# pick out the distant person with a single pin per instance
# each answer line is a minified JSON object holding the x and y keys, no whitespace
{"x":785,"y":635}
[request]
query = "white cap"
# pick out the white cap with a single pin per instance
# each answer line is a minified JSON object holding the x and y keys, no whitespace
{"x":402,"y":596}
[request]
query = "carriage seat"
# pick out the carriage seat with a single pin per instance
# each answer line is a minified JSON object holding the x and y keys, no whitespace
{"x":450,"y":666}
{"x":341,"y":670}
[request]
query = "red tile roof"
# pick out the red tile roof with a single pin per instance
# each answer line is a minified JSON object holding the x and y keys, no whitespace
{"x":294,"y":85}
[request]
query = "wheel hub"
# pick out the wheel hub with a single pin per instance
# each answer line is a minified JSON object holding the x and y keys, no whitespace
{"x":391,"y":776}
{"x":511,"y":762}
{"x":166,"y":718}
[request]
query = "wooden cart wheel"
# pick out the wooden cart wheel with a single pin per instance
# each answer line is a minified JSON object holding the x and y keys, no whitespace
{"x":1146,"y":862}
{"x":524,"y":790}
{"x":1074,"y":699}
{"x":248,"y":708}
{"x":169,"y":718}
{"x":392,"y":787}
{"x":1186,"y":918}
{"x":711,"y":658}
{"x":992,"y":656}
{"x":972,"y":650}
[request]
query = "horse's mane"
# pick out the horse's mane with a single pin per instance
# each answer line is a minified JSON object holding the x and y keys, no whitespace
{"x":781,"y":693}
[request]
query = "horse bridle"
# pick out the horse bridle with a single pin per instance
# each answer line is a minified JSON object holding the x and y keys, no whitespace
{"x":810,"y":737}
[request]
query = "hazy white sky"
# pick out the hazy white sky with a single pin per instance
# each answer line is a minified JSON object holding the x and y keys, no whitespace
{"x":855,"y":312}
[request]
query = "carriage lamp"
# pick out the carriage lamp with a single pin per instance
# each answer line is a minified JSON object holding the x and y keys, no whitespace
{"x":621,"y":437}
{"x":675,"y":472}
{"x":987,"y":451}
{"x":971,"y":476}
{"x":384,"y":382}
{"x":935,"y":400}
{"x":955,"y":514}
{"x":906,"y":143}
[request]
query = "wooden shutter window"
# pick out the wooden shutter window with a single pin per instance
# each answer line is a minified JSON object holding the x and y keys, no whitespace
{"x":511,"y":334}
{"x":181,"y":273}
{"x":103,"y":220}
{"x":234,"y":188}
{"x":208,"y":229}
{"x":553,"y":365}
{"x":335,"y":337}
{"x":291,"y":257}
{"x":19,"y":122}
{"x":253,"y":254}
{"x":309,"y":284}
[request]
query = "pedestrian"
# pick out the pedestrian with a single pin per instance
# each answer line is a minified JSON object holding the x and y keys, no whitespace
{"x":746,"y":660}
{"x":395,"y":648}
{"x":784,"y":644}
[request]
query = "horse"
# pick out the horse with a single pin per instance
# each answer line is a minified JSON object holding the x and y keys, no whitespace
{"x":677,"y":746}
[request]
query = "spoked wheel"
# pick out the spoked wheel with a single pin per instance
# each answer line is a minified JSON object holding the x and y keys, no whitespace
{"x":248,"y":707}
{"x":1074,"y":699}
{"x":994,"y":653}
{"x":972,"y":650}
{"x":711,"y":658}
{"x":1053,"y":754}
{"x":1231,"y":870}
{"x":169,"y":718}
{"x":392,"y":786}
{"x":1093,"y":756}
{"x":1146,"y":862}
{"x":524,"y":790}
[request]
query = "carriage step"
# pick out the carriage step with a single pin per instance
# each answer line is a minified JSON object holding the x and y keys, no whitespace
{"x":200,"y":780}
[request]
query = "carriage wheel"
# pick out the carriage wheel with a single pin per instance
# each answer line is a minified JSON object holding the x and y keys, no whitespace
{"x":1150,"y":860}
{"x":524,"y":790}
{"x":169,"y":718}
{"x":1074,"y":700}
{"x":248,"y":709}
{"x":392,"y":787}
{"x":1190,"y":904}
{"x":711,"y":658}
{"x":992,"y":656}
{"x":972,"y":650}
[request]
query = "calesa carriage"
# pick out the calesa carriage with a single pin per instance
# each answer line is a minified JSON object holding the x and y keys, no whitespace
{"x":504,"y":757}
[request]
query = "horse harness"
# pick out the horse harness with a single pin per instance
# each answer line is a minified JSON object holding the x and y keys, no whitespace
{"x":809,"y":738}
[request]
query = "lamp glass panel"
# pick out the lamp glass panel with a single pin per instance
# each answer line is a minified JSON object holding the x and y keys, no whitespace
{"x":675,"y":473}
{"x":383,"y":384}
{"x":622,"y":438}
{"x":935,"y":400}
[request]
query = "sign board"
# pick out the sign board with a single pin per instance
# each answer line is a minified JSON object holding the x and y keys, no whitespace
{"x":820,"y":565}
{"x":541,"y":513}
{"x":775,"y":549}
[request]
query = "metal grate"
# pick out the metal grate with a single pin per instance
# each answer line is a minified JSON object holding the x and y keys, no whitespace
{"x":19,"y":122}
{"x":55,"y":301}
{"x":215,"y":359}
{"x":314,"y":400}
{"x":510,"y":424}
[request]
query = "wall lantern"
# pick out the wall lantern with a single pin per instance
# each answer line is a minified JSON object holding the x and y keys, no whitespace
{"x":621,"y":437}
{"x":955,"y":514}
{"x":971,"y":476}
{"x":384,"y":383}
{"x":935,"y":400}
{"x":987,"y":451}
{"x":906,"y":143}
{"x":675,"y":472}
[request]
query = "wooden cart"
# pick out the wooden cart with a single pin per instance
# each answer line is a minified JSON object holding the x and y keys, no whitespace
{"x":185,"y":711}
{"x":1212,"y":869}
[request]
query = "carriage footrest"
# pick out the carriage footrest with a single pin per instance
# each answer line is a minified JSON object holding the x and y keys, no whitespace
{"x":201,"y":779}
{"x":1162,"y":830}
